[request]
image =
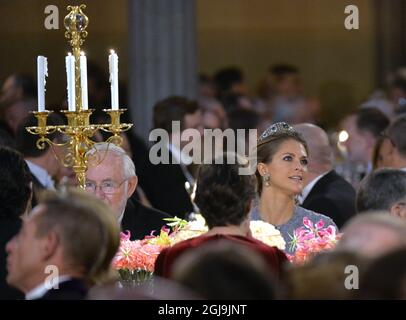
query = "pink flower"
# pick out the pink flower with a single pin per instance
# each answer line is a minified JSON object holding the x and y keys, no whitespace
{"x":311,"y":239}
{"x":126,"y":235}
{"x":136,"y":255}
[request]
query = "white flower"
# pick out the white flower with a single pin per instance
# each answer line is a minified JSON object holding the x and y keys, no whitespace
{"x":199,"y":224}
{"x":260,"y":230}
{"x":268,"y":234}
{"x":192,"y":229}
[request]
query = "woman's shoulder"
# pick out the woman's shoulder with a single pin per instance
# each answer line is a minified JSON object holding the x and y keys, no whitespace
{"x":314,"y":216}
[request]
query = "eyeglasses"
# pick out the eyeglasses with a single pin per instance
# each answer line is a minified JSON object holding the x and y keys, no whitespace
{"x":107,"y":187}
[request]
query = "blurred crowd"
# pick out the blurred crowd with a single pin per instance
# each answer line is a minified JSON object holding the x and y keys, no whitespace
{"x":351,"y":176}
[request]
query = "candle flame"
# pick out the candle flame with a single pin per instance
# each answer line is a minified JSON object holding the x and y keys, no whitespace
{"x":343,"y":136}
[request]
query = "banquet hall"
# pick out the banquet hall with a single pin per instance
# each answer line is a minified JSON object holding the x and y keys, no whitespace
{"x":203,"y":150}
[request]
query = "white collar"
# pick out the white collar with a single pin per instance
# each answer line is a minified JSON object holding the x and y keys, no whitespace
{"x":403,"y":169}
{"x":120,"y":218}
{"x":309,"y":187}
{"x":41,"y":174}
{"x":40,"y":290}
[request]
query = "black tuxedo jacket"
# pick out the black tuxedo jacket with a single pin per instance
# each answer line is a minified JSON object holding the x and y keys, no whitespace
{"x":74,"y":289}
{"x":141,"y":220}
{"x":332,"y":196}
{"x":164,"y":186}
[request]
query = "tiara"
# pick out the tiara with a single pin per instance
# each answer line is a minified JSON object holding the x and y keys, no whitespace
{"x":277,"y":128}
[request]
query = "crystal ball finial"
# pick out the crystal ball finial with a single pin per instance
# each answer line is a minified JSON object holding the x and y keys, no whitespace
{"x":76,"y":20}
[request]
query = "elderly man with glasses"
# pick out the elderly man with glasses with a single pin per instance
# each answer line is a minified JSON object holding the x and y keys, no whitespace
{"x":111,"y":177}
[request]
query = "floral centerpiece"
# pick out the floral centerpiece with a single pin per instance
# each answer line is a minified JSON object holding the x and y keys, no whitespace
{"x":135,"y":260}
{"x":311,"y":239}
{"x":268,"y":234}
{"x":260,"y":230}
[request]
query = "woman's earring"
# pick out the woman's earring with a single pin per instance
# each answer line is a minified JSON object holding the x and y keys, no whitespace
{"x":266,"y":178}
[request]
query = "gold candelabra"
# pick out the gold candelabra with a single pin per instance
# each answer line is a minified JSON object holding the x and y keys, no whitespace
{"x":78,"y":130}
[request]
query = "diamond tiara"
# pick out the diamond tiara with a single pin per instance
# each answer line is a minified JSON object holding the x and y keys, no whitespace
{"x":277,"y":128}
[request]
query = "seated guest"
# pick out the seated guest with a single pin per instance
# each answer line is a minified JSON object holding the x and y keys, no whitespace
{"x":18,"y":86}
{"x":17,"y":112}
{"x":113,"y":180}
{"x":6,"y":139}
{"x":393,"y":149}
{"x":373,"y":234}
{"x":224,"y":198}
{"x":363,"y":130}
{"x":15,"y":196}
{"x":287,"y":101}
{"x":282,"y":157}
{"x":230,"y":80}
{"x":245,"y":120}
{"x":323,"y":277}
{"x":164,"y":183}
{"x":42,"y":162}
{"x":72,"y":232}
{"x":385,"y":278}
{"x":225,"y":270}
{"x":377,"y":158}
{"x":325,"y":191}
{"x":385,"y":190}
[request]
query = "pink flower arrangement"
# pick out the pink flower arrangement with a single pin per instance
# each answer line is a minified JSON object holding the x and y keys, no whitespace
{"x":312,"y":239}
{"x":135,"y":260}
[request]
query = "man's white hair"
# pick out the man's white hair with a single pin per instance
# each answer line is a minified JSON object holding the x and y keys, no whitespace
{"x":102,"y":147}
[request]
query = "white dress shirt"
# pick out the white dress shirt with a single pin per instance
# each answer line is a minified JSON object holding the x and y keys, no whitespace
{"x":40,"y":290}
{"x":41,"y":174}
{"x":120,"y":218}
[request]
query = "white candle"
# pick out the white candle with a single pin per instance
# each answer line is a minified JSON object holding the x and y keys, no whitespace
{"x":70,"y":75}
{"x":42,"y":71}
{"x":113,"y":67}
{"x":83,"y":80}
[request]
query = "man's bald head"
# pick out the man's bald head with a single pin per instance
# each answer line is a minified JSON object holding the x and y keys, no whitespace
{"x":320,"y":152}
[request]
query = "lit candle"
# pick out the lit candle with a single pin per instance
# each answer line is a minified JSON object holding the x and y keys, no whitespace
{"x":113,"y":67}
{"x":70,"y":75}
{"x":42,"y":71}
{"x":83,"y":80}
